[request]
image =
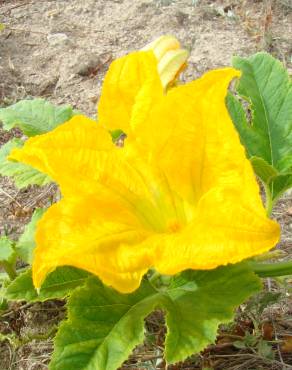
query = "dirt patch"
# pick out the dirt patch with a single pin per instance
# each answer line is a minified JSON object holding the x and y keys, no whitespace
{"x":60,"y":50}
{"x":49,"y":48}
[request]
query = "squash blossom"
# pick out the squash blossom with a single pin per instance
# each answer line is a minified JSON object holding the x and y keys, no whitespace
{"x":180,"y":194}
{"x":171,"y":58}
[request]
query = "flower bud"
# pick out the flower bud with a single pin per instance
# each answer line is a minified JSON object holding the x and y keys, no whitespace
{"x":172,"y":63}
{"x":171,"y":58}
{"x":162,"y":45}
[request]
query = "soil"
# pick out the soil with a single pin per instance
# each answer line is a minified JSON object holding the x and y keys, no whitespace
{"x":60,"y":50}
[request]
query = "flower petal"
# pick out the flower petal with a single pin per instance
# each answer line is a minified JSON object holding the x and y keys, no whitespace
{"x":127,"y":79}
{"x":227,"y":229}
{"x":196,"y":147}
{"x":79,"y":155}
{"x":96,"y":234}
{"x":68,"y":153}
{"x":190,"y":130}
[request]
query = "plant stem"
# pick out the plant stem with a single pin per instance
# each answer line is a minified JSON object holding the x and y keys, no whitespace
{"x":272,"y":269}
{"x":269,"y":201}
{"x":9,"y":269}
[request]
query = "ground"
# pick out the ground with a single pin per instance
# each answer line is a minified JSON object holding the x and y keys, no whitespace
{"x":60,"y":50}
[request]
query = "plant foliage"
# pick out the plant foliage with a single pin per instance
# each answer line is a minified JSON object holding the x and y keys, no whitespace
{"x":267,"y":134}
{"x":34,"y":117}
{"x":104,"y":325}
{"x":22,"y":174}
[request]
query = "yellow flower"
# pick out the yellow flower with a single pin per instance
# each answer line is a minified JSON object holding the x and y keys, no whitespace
{"x":180,"y":194}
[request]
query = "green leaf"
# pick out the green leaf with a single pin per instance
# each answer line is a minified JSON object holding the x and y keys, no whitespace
{"x":265,"y":350}
{"x":7,"y":252}
{"x":57,"y":285}
{"x":116,"y":134}
{"x":266,"y":84}
{"x":34,"y":117}
{"x":199,"y":302}
{"x":280,"y":184}
{"x":22,"y":174}
{"x":263,"y":169}
{"x":239,"y":344}
{"x":239,"y":119}
{"x":104,"y":325}
{"x":267,"y":89}
{"x":3,"y":304}
{"x":26,"y":242}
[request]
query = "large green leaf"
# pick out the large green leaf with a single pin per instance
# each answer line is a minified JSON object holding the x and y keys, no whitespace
{"x":26,"y":242}
{"x":267,"y":89}
{"x":22,"y":174}
{"x":35,"y":116}
{"x":199,"y":301}
{"x":266,"y":84}
{"x":104,"y":326}
{"x":57,"y":285}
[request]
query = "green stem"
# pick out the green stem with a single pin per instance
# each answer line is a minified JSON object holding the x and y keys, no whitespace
{"x":9,"y":269}
{"x":278,"y":253}
{"x":272,"y":269}
{"x":269,"y":201}
{"x":154,"y":277}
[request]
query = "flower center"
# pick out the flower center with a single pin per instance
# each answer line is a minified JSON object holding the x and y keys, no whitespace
{"x":174,"y":226}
